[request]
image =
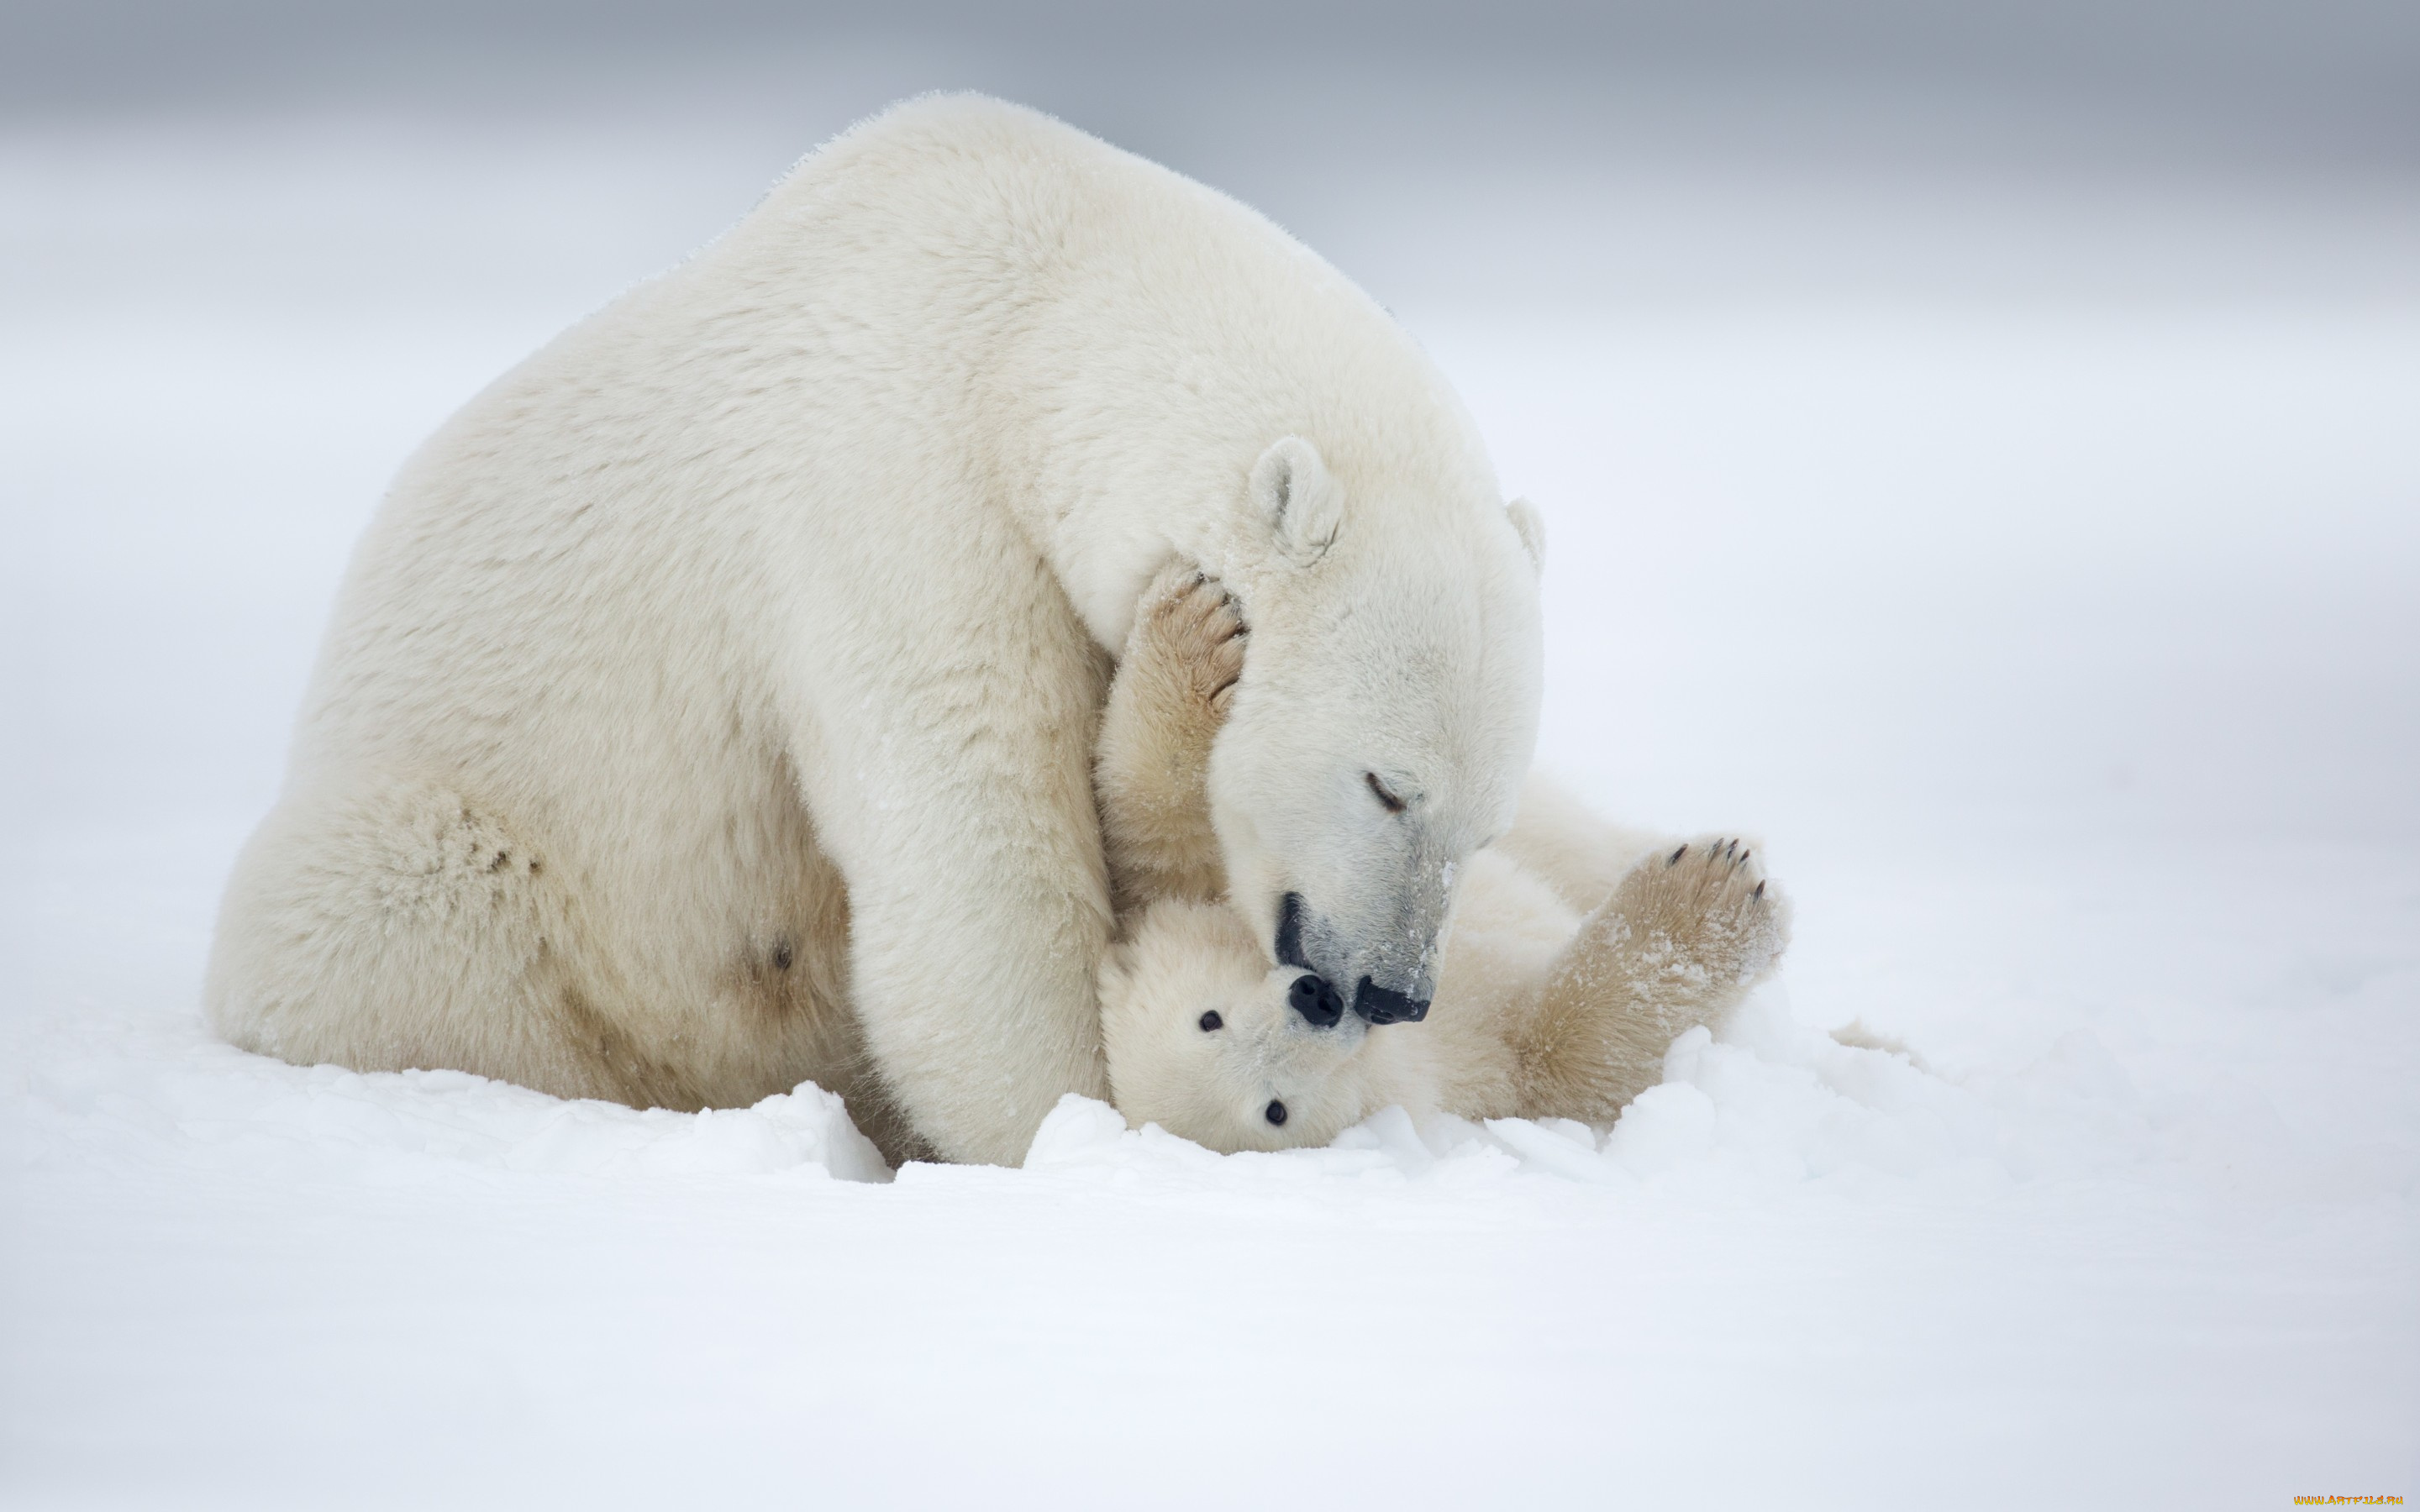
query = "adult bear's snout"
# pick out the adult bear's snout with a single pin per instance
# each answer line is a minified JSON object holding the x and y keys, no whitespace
{"x":1315,"y":1000}
{"x":1383,"y":1004}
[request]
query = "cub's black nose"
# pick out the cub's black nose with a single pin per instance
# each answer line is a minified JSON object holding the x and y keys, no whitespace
{"x":1383,"y":1004}
{"x":1315,"y":1000}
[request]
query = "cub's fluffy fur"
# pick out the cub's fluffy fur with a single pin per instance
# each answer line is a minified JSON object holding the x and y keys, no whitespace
{"x":1578,"y":951}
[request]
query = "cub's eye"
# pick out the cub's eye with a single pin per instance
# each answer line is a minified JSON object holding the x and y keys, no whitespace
{"x":1212,"y":1021}
{"x":1274,"y":1112}
{"x":1392,"y":804}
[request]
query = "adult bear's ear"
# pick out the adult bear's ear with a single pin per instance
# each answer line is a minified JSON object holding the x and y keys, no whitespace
{"x":1532,"y":526}
{"x":1291,"y":490}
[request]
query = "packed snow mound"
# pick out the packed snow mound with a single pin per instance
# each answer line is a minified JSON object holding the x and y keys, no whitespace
{"x":1771,"y":1102}
{"x":1768,"y":1099}
{"x":197,"y":1101}
{"x":1768,"y":1102}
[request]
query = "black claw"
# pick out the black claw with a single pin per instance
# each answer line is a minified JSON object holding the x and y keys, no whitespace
{"x":1759,"y":892}
{"x":1674,"y":860}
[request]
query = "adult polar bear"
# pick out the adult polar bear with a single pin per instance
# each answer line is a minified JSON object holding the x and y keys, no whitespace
{"x":709,"y":706}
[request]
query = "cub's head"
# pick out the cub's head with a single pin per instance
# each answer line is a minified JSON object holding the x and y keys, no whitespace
{"x":1382,"y":725}
{"x":1208,"y":1043}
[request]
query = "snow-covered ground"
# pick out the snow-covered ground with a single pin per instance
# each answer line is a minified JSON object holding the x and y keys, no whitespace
{"x":2055,"y":618}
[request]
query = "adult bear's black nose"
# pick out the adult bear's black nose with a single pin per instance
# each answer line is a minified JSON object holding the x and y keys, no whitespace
{"x":1383,"y":1004}
{"x":1315,"y":1000}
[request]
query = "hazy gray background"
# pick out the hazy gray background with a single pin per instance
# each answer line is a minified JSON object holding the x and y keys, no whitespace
{"x":2330,"y":78}
{"x":2034,"y":375}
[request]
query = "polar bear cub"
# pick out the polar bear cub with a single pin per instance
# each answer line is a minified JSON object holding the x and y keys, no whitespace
{"x":1578,"y":952}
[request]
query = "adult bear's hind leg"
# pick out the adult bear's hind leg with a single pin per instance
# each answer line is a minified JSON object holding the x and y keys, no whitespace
{"x":399,"y":926}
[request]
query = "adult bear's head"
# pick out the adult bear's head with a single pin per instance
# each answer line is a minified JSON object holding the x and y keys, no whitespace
{"x":1384,"y":723}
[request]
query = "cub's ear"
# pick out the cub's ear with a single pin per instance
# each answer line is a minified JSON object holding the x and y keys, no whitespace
{"x":1291,"y":490}
{"x":1532,"y":526}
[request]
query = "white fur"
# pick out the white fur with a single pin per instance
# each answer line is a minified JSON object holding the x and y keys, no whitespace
{"x":709,"y":706}
{"x":1544,"y":1010}
{"x":1184,"y":958}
